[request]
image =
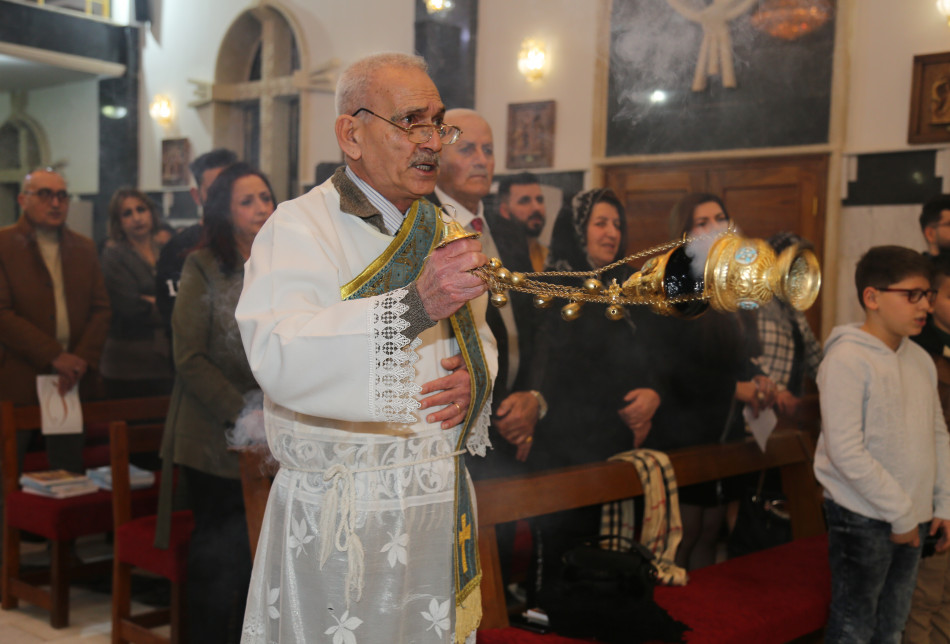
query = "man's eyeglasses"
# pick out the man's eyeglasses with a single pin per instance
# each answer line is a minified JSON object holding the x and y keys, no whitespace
{"x":46,"y":195}
{"x":421,"y":132}
{"x":914,"y":294}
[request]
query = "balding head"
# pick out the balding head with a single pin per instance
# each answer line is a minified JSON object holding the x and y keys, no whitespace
{"x":356,"y":82}
{"x":468,"y":166}
{"x":43,"y":199}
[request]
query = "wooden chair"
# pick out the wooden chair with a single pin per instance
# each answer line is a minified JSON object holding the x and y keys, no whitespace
{"x":133,"y":545}
{"x":60,"y":521}
{"x":257,"y":473}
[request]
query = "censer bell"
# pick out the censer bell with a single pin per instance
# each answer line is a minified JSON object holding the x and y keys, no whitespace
{"x":452,"y":231}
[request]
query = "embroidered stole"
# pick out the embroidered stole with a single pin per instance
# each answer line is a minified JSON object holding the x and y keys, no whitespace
{"x":398,"y":266}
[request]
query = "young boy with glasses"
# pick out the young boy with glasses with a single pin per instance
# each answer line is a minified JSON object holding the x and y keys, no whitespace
{"x":883,"y":457}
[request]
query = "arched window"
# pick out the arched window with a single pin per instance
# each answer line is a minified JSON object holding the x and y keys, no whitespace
{"x":257,"y":93}
{"x":23,"y":146}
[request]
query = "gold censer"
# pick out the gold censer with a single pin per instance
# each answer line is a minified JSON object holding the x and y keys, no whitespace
{"x":738,"y":273}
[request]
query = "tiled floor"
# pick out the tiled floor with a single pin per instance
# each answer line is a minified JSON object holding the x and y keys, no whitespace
{"x":90,"y":613}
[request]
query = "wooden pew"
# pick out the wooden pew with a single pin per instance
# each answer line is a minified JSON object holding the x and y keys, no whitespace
{"x":510,"y":499}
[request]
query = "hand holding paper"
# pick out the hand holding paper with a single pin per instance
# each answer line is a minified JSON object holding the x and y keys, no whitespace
{"x":71,"y":368}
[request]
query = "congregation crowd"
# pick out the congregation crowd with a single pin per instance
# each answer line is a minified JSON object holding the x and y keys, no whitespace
{"x":198,"y":315}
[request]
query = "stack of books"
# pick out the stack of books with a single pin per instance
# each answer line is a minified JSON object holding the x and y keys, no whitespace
{"x":138,"y":478}
{"x":57,"y":484}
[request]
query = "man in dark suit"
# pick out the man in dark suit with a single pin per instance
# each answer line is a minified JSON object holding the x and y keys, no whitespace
{"x":54,"y":307}
{"x":465,"y":178}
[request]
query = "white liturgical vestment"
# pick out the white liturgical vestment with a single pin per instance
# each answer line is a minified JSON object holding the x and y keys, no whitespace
{"x":357,"y":541}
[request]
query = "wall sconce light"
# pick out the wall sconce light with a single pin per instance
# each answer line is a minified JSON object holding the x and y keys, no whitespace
{"x":161,"y":110}
{"x":435,"y":6}
{"x":943,"y":6}
{"x":532,"y":59}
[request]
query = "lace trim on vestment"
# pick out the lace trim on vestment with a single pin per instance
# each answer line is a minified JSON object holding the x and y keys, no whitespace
{"x":478,"y":440}
{"x":394,"y":359}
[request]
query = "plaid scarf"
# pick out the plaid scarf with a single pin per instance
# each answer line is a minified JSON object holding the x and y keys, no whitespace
{"x":662,"y":528}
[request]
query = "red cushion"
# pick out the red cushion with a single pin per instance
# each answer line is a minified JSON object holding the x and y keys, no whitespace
{"x":64,"y":519}
{"x":133,"y":545}
{"x":775,"y":595}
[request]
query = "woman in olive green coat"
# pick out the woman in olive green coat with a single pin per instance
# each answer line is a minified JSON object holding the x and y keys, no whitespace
{"x":212,"y":383}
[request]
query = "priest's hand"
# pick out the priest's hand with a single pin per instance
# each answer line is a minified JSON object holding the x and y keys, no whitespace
{"x":453,"y":391}
{"x":446,"y":282}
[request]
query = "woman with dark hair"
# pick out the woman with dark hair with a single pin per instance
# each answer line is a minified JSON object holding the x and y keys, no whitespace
{"x":595,"y":373}
{"x":708,"y":363}
{"x":135,"y":356}
{"x":212,"y":383}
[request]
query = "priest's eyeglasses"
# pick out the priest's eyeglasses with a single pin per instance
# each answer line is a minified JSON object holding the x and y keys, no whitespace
{"x":421,"y":132}
{"x":46,"y":195}
{"x":914,"y":294}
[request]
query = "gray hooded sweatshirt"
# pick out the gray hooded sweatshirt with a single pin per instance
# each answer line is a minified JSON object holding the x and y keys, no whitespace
{"x":884,"y":451}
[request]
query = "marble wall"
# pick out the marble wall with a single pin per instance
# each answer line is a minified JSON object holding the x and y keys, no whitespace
{"x":861,"y":228}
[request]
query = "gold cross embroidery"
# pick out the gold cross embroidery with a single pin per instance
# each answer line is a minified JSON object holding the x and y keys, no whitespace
{"x":465,"y":534}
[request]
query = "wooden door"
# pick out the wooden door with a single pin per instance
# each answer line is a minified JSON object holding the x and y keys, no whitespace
{"x":648,"y":193}
{"x":763,"y":196}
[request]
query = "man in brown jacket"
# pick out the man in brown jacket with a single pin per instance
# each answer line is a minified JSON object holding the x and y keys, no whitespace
{"x":54,"y":307}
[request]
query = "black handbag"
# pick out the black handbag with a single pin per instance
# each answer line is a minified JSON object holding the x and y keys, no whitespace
{"x":608,"y":595}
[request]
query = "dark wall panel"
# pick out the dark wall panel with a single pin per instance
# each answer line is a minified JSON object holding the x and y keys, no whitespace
{"x":782,"y":97}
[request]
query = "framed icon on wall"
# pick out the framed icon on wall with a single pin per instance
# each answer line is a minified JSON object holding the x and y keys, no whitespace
{"x":930,"y":99}
{"x":176,"y":155}
{"x":530,"y":142}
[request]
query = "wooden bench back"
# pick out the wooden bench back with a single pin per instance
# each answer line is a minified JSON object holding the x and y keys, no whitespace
{"x":523,"y":497}
{"x":15,"y":419}
{"x":123,"y":441}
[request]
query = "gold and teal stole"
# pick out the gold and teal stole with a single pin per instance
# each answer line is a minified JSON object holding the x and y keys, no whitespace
{"x":398,"y":266}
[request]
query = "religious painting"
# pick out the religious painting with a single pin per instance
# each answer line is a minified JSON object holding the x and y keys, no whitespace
{"x":176,"y":155}
{"x":703,"y":75}
{"x":530,"y":135}
{"x":930,"y":99}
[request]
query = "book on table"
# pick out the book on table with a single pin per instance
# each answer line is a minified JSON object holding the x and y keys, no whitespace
{"x":65,"y":490}
{"x":138,"y":478}
{"x":48,"y":480}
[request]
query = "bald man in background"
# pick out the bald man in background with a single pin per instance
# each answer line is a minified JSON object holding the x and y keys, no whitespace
{"x":54,"y":307}
{"x":465,"y":178}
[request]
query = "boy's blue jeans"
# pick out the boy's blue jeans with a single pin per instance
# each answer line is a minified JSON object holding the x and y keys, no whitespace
{"x":872,"y":578}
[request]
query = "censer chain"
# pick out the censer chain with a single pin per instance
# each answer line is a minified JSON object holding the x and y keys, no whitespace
{"x":536,"y":287}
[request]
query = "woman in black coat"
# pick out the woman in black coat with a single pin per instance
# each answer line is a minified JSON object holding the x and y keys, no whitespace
{"x":594,"y":372}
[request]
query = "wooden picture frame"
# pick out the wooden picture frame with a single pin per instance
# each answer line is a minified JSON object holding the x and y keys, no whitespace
{"x":930,"y":99}
{"x":176,"y":155}
{"x":530,"y":142}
